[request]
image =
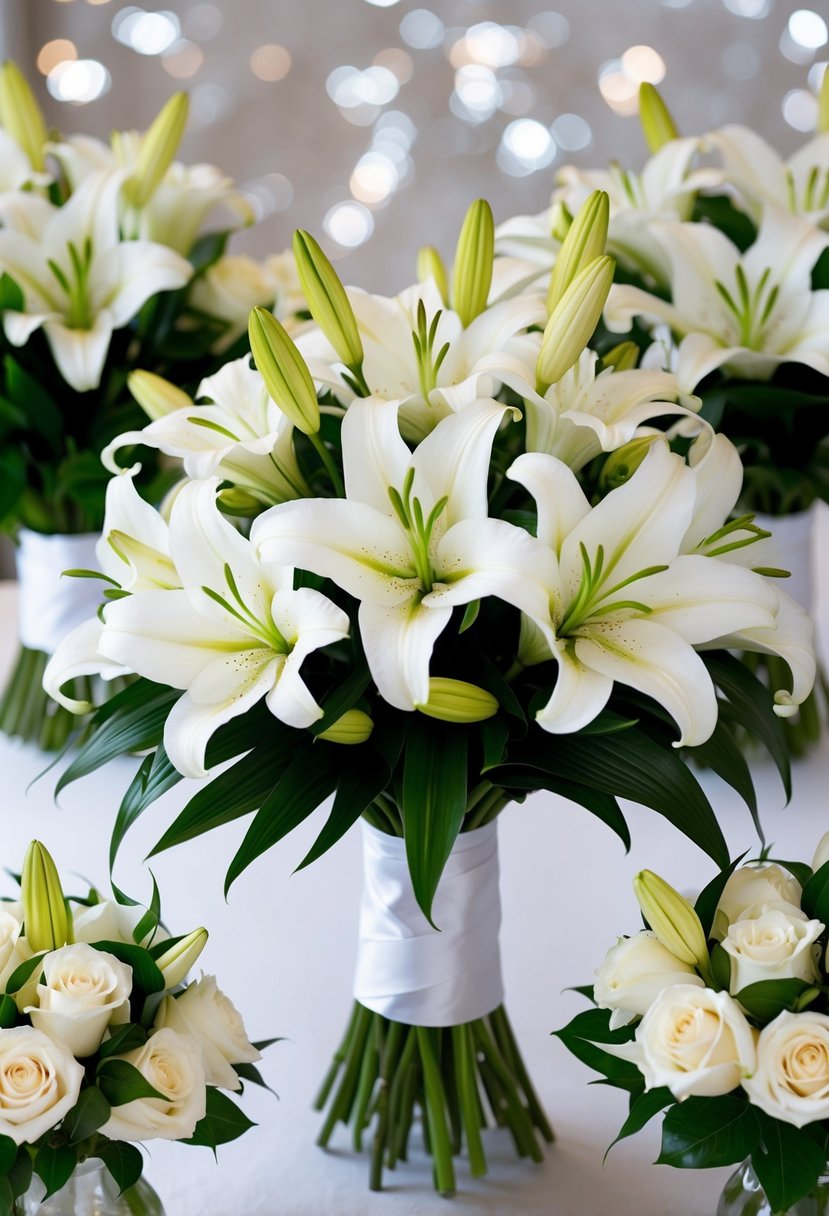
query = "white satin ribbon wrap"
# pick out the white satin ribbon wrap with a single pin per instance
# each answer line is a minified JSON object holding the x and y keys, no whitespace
{"x":408,"y":971}
{"x":791,"y":547}
{"x":49,"y":606}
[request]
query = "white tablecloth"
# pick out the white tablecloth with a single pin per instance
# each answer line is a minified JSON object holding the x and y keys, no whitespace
{"x":284,"y":948}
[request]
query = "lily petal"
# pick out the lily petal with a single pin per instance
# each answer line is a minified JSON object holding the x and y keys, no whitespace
{"x":579,"y":695}
{"x":78,"y":655}
{"x":560,"y":500}
{"x":399,"y":640}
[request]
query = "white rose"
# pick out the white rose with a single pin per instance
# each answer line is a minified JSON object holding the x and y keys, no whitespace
{"x":39,"y":1083}
{"x":696,"y":1042}
{"x":791,"y":1081}
{"x":633,"y":974}
{"x":229,"y":289}
{"x":81,"y":990}
{"x":172,"y":1064}
{"x":773,"y":946}
{"x":750,"y":885}
{"x":108,"y":921}
{"x":10,"y":926}
{"x":204,"y":1012}
{"x":821,"y":852}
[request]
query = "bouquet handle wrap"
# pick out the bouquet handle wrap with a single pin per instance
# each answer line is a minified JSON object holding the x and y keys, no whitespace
{"x":50,"y":605}
{"x":406,"y":970}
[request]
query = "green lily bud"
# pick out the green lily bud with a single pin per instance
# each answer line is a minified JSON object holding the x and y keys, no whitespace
{"x":622,"y":357}
{"x":329,"y":305}
{"x":623,"y":463}
{"x":585,"y":241}
{"x":352,"y":727}
{"x":457,"y":701}
{"x":180,"y":958}
{"x":658,"y":126}
{"x":158,"y":147}
{"x":673,"y":919}
{"x":472,"y":270}
{"x":430,"y":266}
{"x":21,"y":115}
{"x":45,"y":915}
{"x":574,"y":320}
{"x":155,"y":395}
{"x":284,"y":371}
{"x":823,"y":104}
{"x":561,"y":217}
{"x":233,"y":501}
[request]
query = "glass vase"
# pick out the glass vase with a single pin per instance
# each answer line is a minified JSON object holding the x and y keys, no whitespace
{"x":743,"y":1196}
{"x":91,"y":1191}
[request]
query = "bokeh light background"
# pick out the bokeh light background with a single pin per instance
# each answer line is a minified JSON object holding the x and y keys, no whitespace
{"x":376,"y":123}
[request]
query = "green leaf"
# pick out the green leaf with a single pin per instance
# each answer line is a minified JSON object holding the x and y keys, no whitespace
{"x":11,"y":295}
{"x":700,"y":1133}
{"x":146,"y":976}
{"x":19,"y":1176}
{"x":39,"y":406}
{"x":583,"y":1037}
{"x":8,"y":1152}
{"x":307,"y":782}
{"x":433,"y":804}
{"x":493,"y":733}
{"x":344,"y":697}
{"x":237,"y":791}
{"x":121,"y":1082}
{"x":90,"y":1112}
{"x":799,"y":869}
{"x":22,"y":973}
{"x":130,"y":729}
{"x":643,"y":1107}
{"x":123,"y":1039}
{"x":603,"y":805}
{"x":721,"y":753}
{"x":754,"y":706}
{"x":815,"y":898}
{"x":8,"y":1014}
{"x":123,"y":1161}
{"x":249,"y":1072}
{"x":155,"y":776}
{"x":765,"y":999}
{"x":207,"y":250}
{"x":787,"y":1161}
{"x":709,"y":897}
{"x":223,"y":1122}
{"x":54,"y":1165}
{"x":721,"y":967}
{"x":358,"y":786}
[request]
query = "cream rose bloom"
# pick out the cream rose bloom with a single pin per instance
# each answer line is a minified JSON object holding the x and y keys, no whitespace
{"x":228,"y":290}
{"x":109,"y":921}
{"x":39,"y":1083}
{"x":773,"y":946}
{"x":750,"y":886}
{"x":204,"y":1012}
{"x":81,"y":990}
{"x":634,"y":972}
{"x":695,"y":1041}
{"x":791,"y":1080}
{"x":172,"y":1064}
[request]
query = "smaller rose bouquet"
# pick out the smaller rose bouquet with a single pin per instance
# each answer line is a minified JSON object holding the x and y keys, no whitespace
{"x":718,"y":1014}
{"x":103,"y":1046}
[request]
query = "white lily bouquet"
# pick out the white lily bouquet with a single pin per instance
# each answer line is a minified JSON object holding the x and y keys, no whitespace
{"x":717,"y":1014}
{"x":105,"y":266}
{"x":723,"y":277}
{"x":426,"y":559}
{"x":103,"y":1047}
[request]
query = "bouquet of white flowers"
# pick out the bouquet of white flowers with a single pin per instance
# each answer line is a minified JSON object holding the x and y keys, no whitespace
{"x":432,"y":556}
{"x":103,"y":1046}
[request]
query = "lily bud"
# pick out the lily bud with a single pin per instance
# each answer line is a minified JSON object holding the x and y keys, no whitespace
{"x":472,"y":270}
{"x":284,"y":371}
{"x":155,"y":395}
{"x":233,"y":501}
{"x":430,"y":266}
{"x":658,"y":126}
{"x":584,"y":242}
{"x":180,"y":958}
{"x":823,"y":104}
{"x":573,"y":321}
{"x":622,"y":357}
{"x":561,"y":217}
{"x":45,"y":916}
{"x":352,"y":727}
{"x":457,"y":701}
{"x":158,"y":147}
{"x":623,"y":463}
{"x":20,"y":114}
{"x":327,"y":300}
{"x":672,"y":918}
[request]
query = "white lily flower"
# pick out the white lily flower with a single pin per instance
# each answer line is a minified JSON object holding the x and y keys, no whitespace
{"x":236,"y":432}
{"x":412,"y":540}
{"x":15,"y":167}
{"x":745,"y":312}
{"x":79,"y":281}
{"x":417,"y":352}
{"x":179,"y":208}
{"x":760,"y":175}
{"x":589,"y":411}
{"x":625,"y":603}
{"x":663,"y":190}
{"x":281,"y":267}
{"x":236,"y":632}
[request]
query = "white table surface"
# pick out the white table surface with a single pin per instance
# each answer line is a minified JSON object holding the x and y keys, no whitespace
{"x":284,"y":949}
